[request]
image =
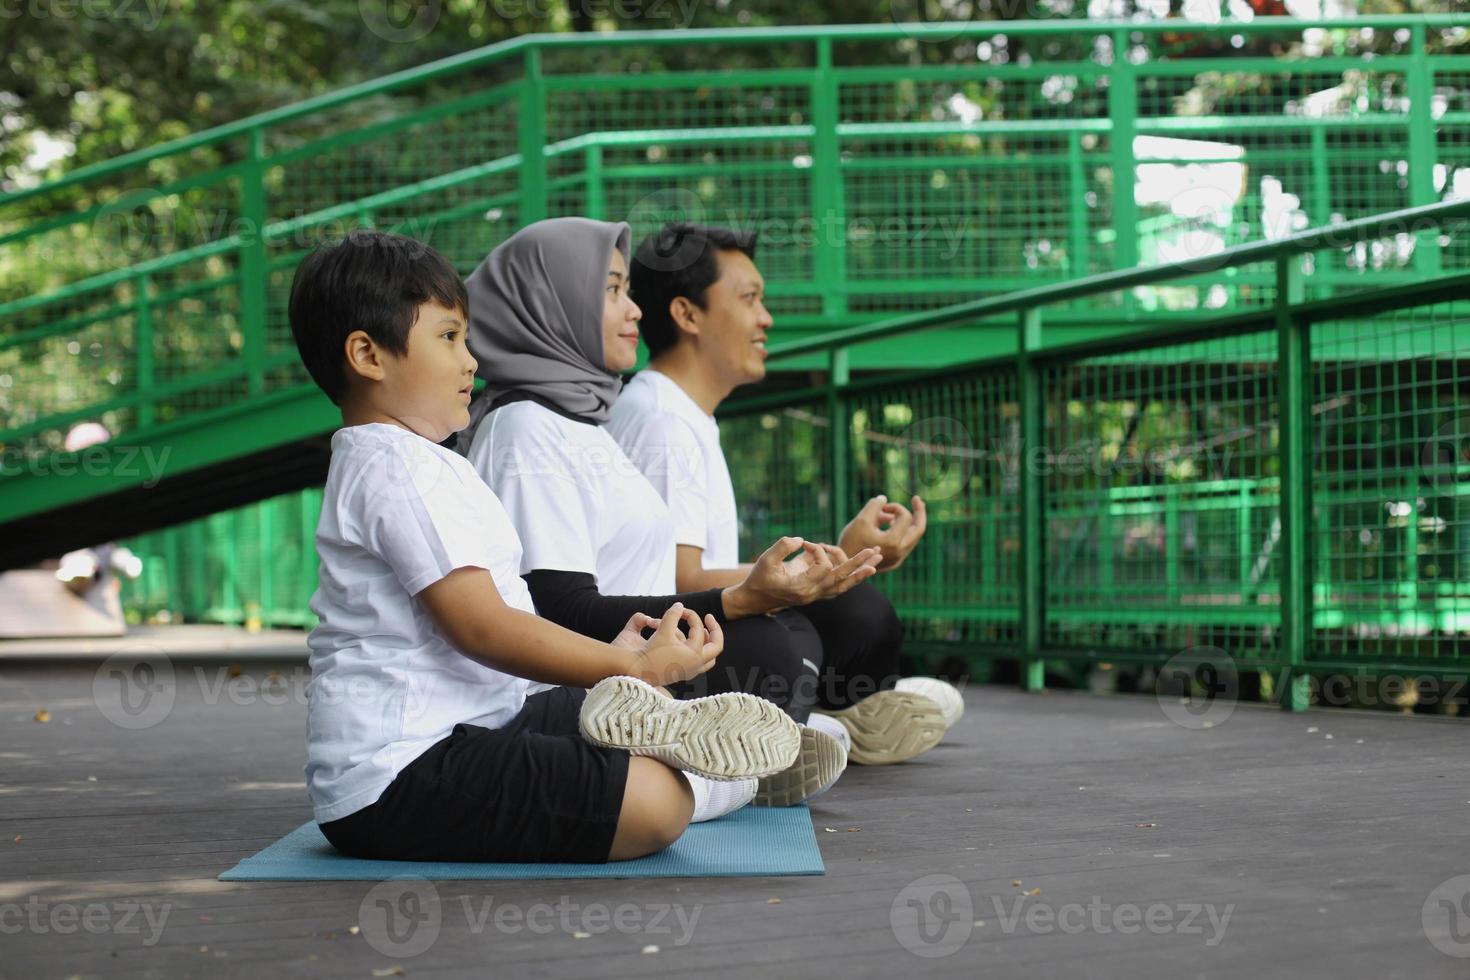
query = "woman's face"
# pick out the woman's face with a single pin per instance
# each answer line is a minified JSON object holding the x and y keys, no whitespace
{"x":620,"y":316}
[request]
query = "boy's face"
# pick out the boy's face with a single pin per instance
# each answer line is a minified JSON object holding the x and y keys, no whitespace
{"x":735,"y":321}
{"x":429,"y":389}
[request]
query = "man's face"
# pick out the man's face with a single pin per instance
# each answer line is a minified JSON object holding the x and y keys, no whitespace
{"x":429,"y":389}
{"x":735,"y":321}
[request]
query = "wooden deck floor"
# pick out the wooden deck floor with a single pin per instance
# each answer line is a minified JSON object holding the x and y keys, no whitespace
{"x":1141,"y":836}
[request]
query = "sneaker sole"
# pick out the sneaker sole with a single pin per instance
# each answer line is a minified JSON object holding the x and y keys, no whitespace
{"x":891,"y":727}
{"x":819,"y":763}
{"x":724,"y":736}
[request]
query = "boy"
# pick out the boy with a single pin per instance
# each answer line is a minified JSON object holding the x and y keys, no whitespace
{"x":437,"y":726}
{"x":705,"y":324}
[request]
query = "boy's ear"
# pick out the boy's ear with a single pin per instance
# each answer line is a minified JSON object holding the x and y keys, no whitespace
{"x":685,"y":315}
{"x":363,"y":356}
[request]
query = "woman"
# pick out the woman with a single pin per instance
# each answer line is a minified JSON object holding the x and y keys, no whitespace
{"x":552,"y":327}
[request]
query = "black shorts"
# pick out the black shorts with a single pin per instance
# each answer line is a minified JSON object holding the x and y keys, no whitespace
{"x":532,"y":791}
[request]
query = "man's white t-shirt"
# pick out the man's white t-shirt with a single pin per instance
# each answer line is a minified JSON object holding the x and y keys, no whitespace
{"x":677,"y":446}
{"x":399,"y":513}
{"x":577,"y":501}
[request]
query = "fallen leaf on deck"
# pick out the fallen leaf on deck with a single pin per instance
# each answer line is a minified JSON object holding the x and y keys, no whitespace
{"x":829,"y":830}
{"x":854,"y":830}
{"x":650,"y":949}
{"x":392,"y":971}
{"x":773,"y":901}
{"x":353,"y":930}
{"x":1034,"y":891}
{"x":43,"y":716}
{"x":1016,"y":883}
{"x":1145,"y":825}
{"x":235,"y":671}
{"x":581,"y":935}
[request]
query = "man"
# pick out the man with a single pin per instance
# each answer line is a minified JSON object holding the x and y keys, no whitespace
{"x":706,"y":325}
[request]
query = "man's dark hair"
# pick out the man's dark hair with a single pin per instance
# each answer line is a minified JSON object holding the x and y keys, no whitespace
{"x":680,"y":259}
{"x":372,"y":281}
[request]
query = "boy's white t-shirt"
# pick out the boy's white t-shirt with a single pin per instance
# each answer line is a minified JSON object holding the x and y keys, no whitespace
{"x":579,"y":504}
{"x":399,"y":513}
{"x":677,"y":446}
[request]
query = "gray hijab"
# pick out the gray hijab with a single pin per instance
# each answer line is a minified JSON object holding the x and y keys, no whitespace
{"x":536,"y":318}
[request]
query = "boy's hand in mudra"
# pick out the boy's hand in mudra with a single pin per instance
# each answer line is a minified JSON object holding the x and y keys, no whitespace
{"x":669,"y":655}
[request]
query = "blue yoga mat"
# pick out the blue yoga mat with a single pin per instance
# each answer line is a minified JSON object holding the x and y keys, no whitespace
{"x":751,"y":842}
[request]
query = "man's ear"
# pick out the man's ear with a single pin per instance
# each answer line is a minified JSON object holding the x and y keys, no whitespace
{"x":363,"y":356}
{"x":685,"y":315}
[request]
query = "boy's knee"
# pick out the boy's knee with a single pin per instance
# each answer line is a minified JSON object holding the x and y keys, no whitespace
{"x":657,"y":805}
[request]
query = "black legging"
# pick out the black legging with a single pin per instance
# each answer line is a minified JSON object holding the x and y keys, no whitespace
{"x":829,"y":654}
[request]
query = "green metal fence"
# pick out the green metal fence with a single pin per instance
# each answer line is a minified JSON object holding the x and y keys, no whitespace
{"x":1226,"y":465}
{"x":1284,"y":490}
{"x":152,"y":287}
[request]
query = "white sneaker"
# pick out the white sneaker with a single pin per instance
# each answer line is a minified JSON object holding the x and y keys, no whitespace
{"x":724,"y":736}
{"x":942,"y":693}
{"x":823,"y":758}
{"x":890,"y":727}
{"x":833,"y":727}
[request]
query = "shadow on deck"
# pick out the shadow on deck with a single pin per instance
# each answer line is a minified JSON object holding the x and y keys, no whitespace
{"x":1267,"y":845}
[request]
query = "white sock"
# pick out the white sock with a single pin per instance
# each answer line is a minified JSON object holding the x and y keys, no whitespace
{"x":715,"y":798}
{"x":831,"y":726}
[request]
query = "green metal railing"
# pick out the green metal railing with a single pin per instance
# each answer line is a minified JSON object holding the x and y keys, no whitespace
{"x":1240,"y":455}
{"x":153,"y":285}
{"x":1285,"y":490}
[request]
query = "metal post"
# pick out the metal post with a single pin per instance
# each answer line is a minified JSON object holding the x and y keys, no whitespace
{"x":143,"y":341}
{"x":1422,"y":148}
{"x":592,"y":175}
{"x":253,"y":264}
{"x":1033,"y":585}
{"x":533,"y":140}
{"x":839,"y":450}
{"x":1294,"y":406}
{"x":828,"y":209}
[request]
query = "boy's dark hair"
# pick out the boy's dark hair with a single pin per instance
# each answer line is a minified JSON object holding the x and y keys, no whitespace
{"x":373,"y":281}
{"x":679,"y":259}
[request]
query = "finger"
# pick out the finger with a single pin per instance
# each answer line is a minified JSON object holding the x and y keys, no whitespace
{"x":818,"y":554}
{"x":638,"y":622}
{"x":668,"y":629}
{"x":873,"y":510}
{"x":835,"y":554}
{"x":694,"y":628}
{"x":921,"y":517}
{"x":782,"y":549}
{"x":862,"y":559}
{"x":863,"y":573}
{"x":714,"y":640}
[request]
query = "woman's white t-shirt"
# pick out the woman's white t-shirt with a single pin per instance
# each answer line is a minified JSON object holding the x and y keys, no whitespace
{"x":677,"y":446}
{"x":399,"y":513}
{"x":579,"y":504}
